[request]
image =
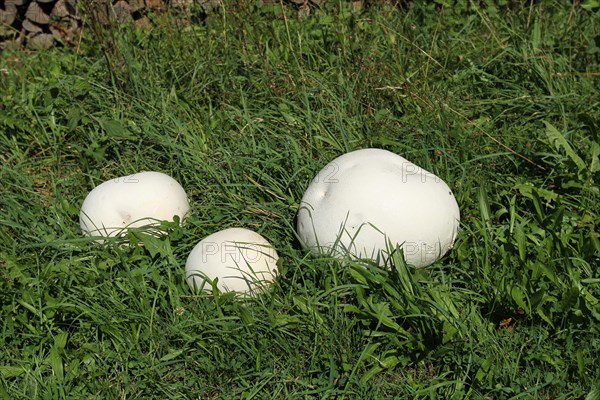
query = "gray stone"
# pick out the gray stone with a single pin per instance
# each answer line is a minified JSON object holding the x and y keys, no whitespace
{"x":11,"y":44}
{"x":182,"y":3}
{"x":155,"y":4}
{"x":210,"y":5}
{"x":122,"y":11}
{"x":72,"y":7}
{"x":357,"y":5}
{"x":36,"y":14}
{"x":100,"y":10}
{"x":31,"y":27}
{"x":6,"y":31}
{"x":66,"y":30}
{"x":136,"y":5}
{"x":14,"y":2}
{"x":41,"y":42}
{"x":57,"y":33}
{"x":65,"y":8}
{"x":7,"y":16}
{"x":143,"y":23}
{"x":60,"y":10}
{"x":303,"y":11}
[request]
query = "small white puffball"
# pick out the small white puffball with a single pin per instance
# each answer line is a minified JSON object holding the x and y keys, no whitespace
{"x":242,"y":260}
{"x":141,"y":199}
{"x":366,"y":200}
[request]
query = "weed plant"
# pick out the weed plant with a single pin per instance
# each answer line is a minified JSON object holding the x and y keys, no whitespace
{"x":499,"y":99}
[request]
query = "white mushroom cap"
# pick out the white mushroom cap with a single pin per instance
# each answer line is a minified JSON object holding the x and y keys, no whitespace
{"x":365,"y":200}
{"x":141,"y":199}
{"x":242,"y":260}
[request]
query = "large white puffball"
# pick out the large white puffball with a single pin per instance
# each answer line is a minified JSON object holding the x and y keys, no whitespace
{"x":242,"y":260}
{"x":367,"y":202}
{"x":141,"y":199}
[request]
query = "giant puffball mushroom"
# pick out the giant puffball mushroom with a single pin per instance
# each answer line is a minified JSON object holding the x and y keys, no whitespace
{"x":367,"y":202}
{"x":141,"y":199}
{"x":242,"y":260}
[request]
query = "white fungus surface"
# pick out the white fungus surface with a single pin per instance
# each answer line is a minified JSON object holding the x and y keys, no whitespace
{"x":365,"y":200}
{"x":141,"y":199}
{"x":241,"y":259}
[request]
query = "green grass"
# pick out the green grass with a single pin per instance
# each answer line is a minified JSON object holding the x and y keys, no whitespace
{"x":502,"y":102}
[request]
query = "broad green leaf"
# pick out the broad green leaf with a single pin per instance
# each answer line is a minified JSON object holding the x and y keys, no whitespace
{"x":359,"y":274}
{"x":484,"y":205}
{"x":367,"y":355}
{"x":520,"y":239}
{"x":10,"y":372}
{"x":115,"y":129}
{"x":595,"y":164}
{"x":527,"y":188}
{"x":547,"y":271}
{"x":153,"y":244}
{"x":449,"y":331}
{"x":536,"y":37}
{"x":570,"y":298}
{"x":171,"y":355}
{"x":374,"y":370}
{"x":594,"y":394}
{"x":60,"y":340}
{"x":307,"y":308}
{"x":519,"y":297}
{"x":390,"y":361}
{"x":56,"y":363}
{"x":540,"y":311}
{"x":580,"y":362}
{"x":590,"y":5}
{"x":484,"y":369}
{"x":402,"y":269}
{"x":560,"y":142}
{"x":382,"y":312}
{"x":74,"y":117}
{"x":537,"y":204}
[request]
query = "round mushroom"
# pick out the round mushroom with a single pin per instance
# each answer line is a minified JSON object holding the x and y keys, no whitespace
{"x":242,"y":261}
{"x":141,"y":199}
{"x":367,"y":202}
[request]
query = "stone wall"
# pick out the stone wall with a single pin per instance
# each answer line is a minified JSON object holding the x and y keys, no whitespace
{"x":39,"y":24}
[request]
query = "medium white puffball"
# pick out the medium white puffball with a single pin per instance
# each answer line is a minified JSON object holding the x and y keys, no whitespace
{"x":242,"y":260}
{"x":365,"y":200}
{"x":141,"y":199}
